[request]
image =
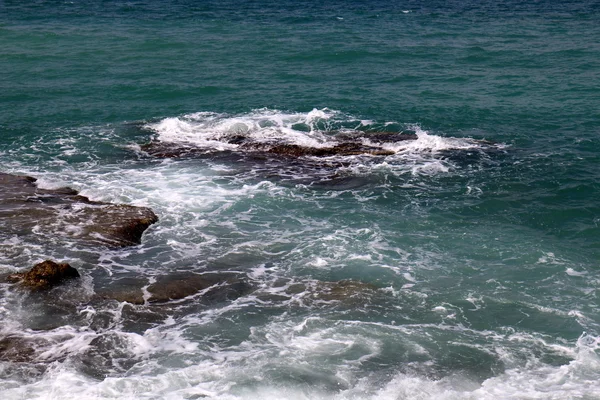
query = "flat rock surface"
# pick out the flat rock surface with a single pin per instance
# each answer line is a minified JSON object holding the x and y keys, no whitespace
{"x":26,"y":209}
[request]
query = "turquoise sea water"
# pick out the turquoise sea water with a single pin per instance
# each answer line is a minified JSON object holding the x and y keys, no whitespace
{"x":482,"y":236}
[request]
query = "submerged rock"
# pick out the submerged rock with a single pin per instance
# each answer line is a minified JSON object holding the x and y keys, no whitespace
{"x":345,"y":292}
{"x":44,"y":275}
{"x":208,"y":287}
{"x":342,"y":291}
{"x":216,"y":287}
{"x":26,"y":209}
{"x":107,"y":354}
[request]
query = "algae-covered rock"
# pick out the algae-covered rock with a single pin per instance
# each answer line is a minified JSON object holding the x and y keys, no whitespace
{"x":44,"y":275}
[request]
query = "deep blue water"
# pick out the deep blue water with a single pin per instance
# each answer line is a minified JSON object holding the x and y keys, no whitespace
{"x":481,"y":237}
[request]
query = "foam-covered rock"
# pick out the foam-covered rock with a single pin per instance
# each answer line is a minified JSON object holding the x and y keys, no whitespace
{"x":342,"y":144}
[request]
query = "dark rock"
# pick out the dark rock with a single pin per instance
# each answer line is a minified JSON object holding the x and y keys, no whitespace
{"x":31,"y":349}
{"x":106,"y":355}
{"x":346,"y":292}
{"x":389,"y":137}
{"x":171,"y":150}
{"x":44,"y":275}
{"x":236,"y":139}
{"x":215,"y":288}
{"x":177,"y":287}
{"x":16,"y":349}
{"x":28,"y":349}
{"x":344,"y":149}
{"x":348,"y":144}
{"x":113,"y":224}
{"x":133,"y":295}
{"x":25,"y":208}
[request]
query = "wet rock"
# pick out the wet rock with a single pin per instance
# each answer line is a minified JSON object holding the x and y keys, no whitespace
{"x":343,"y":144}
{"x":131,"y":295}
{"x":389,"y":137}
{"x":16,"y":349}
{"x":171,"y":150}
{"x":342,"y":291}
{"x":216,"y":287}
{"x":178,"y":287}
{"x":106,"y":355}
{"x":211,"y":288}
{"x":345,"y":292}
{"x":27,"y":349}
{"x":117,"y":225}
{"x":344,"y":149}
{"x":27,"y":209}
{"x":44,"y":275}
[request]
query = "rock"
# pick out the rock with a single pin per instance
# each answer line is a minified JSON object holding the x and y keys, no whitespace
{"x":44,"y":275}
{"x":344,"y":149}
{"x":107,"y":354}
{"x":16,"y":349}
{"x":215,"y":288}
{"x":345,"y":292}
{"x":171,"y":150}
{"x":344,"y":144}
{"x":117,"y":225}
{"x":389,"y":137}
{"x":25,"y":209}
{"x":129,"y":292}
{"x":178,"y":287}
{"x":32,"y":349}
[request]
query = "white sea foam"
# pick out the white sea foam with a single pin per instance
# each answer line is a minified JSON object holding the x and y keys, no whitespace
{"x":316,"y":128}
{"x":210,"y":129}
{"x":276,"y":358}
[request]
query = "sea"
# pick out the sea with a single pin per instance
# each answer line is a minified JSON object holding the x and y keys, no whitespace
{"x":464,"y":264}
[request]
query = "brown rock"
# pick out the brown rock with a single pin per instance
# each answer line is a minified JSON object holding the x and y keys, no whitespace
{"x":216,"y":287}
{"x":345,"y":292}
{"x":44,"y":275}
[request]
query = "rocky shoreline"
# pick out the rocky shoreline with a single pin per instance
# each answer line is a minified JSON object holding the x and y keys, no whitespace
{"x":26,"y":209}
